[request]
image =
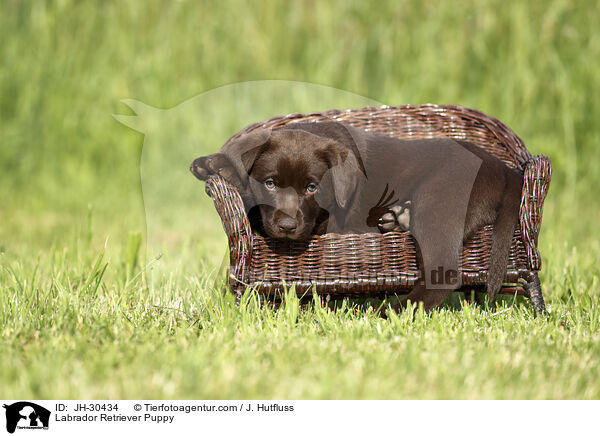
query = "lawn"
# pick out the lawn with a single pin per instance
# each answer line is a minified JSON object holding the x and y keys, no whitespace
{"x":112,"y":258}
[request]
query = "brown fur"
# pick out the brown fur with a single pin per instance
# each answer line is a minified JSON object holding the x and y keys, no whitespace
{"x":351,"y":167}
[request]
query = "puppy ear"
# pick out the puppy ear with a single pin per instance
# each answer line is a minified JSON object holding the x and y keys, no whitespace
{"x":250,"y":156}
{"x":245,"y":150}
{"x":345,"y":171}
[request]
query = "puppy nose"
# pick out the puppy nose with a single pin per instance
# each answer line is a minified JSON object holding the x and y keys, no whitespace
{"x":287,"y":225}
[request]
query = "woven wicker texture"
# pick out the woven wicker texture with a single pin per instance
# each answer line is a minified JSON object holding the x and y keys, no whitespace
{"x":375,"y":264}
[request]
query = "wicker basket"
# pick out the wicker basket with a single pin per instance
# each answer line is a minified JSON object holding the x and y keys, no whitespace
{"x":373,"y":264}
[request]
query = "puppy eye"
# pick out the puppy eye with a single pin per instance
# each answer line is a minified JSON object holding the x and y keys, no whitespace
{"x":270,"y":184}
{"x":311,"y":188}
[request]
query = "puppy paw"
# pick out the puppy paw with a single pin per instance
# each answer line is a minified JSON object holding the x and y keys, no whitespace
{"x":215,"y":164}
{"x":396,"y":220}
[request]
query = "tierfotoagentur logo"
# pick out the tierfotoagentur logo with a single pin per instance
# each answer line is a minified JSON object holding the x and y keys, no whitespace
{"x":175,"y":136}
{"x":24,"y":415}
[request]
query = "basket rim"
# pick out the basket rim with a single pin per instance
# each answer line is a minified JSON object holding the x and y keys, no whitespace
{"x":503,"y":133}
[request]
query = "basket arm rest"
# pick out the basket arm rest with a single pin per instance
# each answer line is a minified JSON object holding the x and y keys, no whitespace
{"x":536,"y":180}
{"x":230,"y":208}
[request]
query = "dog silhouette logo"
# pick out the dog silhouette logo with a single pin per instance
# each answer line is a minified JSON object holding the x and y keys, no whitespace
{"x":26,"y":415}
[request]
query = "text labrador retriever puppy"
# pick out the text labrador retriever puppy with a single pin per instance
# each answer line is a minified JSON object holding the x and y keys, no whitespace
{"x":312,"y":178}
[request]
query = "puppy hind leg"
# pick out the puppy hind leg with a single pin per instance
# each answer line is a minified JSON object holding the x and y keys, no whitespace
{"x":431,"y":298}
{"x":419,"y":294}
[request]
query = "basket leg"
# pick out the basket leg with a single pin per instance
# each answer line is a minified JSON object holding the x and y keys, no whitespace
{"x":534,"y":289}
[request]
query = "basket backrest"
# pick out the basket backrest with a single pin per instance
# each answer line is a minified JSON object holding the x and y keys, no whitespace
{"x":423,"y":121}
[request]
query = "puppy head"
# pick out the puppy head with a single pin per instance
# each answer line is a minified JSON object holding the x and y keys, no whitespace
{"x":297,"y":179}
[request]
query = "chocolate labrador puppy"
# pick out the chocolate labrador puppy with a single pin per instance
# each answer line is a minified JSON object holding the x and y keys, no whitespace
{"x":312,"y":178}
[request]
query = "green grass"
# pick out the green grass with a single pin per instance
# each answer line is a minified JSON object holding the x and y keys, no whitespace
{"x":74,"y":326}
{"x":88,"y":311}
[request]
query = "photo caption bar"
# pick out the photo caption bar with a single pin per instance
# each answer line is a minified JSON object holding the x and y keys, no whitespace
{"x":76,"y":417}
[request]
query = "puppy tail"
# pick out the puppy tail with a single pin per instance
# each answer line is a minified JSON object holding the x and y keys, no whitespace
{"x":503,"y":233}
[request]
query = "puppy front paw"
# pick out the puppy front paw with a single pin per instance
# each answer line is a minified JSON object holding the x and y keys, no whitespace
{"x":396,"y":220}
{"x":215,"y":164}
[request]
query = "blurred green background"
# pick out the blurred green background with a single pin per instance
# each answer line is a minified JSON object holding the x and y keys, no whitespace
{"x":74,"y":209}
{"x":67,"y":64}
